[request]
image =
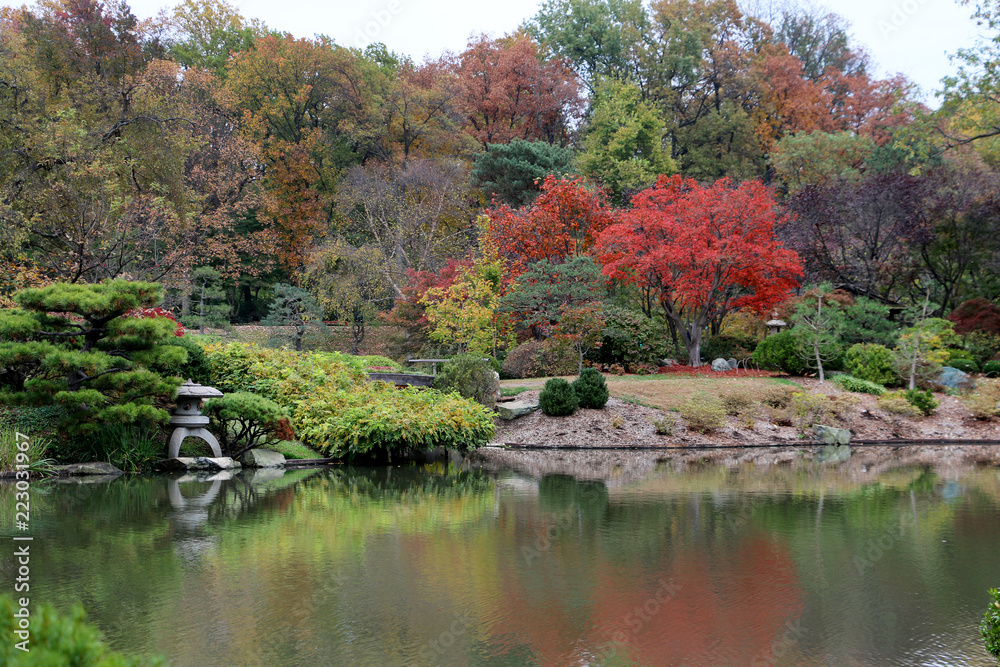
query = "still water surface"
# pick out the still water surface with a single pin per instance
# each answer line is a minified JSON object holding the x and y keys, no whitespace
{"x":422,"y":566}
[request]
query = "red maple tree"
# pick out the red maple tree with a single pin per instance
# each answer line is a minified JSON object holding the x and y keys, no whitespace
{"x":563,"y":222}
{"x":707,"y":251}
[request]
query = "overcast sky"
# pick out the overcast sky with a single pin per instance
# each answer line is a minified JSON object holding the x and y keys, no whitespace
{"x":908,"y":36}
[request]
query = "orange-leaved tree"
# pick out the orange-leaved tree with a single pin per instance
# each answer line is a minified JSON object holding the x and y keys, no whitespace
{"x":563,"y":223}
{"x":707,"y":250}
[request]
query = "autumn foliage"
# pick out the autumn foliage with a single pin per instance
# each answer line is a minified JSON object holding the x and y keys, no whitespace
{"x":563,"y":223}
{"x":707,"y":251}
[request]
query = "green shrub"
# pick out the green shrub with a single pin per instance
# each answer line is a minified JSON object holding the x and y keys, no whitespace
{"x":539,"y":358}
{"x":664,"y":426}
{"x":242,"y":420}
{"x":992,"y":368}
{"x":630,"y":338}
{"x":871,"y":362}
{"x":851,"y":383}
{"x":558,"y":398}
{"x":703,"y":413}
{"x":964,"y":365}
{"x":921,"y":400}
{"x":591,"y":389}
{"x":990,"y":627}
{"x":472,"y":377}
{"x":778,"y":395}
{"x":779,"y":352}
{"x":895,"y":402}
{"x":57,"y":639}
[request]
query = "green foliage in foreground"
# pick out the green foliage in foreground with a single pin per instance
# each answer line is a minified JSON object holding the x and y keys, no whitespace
{"x":32,"y":450}
{"x":990,"y":628}
{"x":57,"y":639}
{"x":558,"y":398}
{"x":851,"y":383}
{"x":333,"y":408}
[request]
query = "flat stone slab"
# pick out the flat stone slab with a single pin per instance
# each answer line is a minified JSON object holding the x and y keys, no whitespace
{"x":198,"y":463}
{"x":91,"y":468}
{"x":516,"y":409}
{"x":262,"y":458}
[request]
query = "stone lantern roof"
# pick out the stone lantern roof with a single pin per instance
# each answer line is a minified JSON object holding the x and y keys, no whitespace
{"x":194,"y":390}
{"x":775,"y":325}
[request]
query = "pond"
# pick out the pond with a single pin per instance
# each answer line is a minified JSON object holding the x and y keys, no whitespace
{"x":426,"y":566}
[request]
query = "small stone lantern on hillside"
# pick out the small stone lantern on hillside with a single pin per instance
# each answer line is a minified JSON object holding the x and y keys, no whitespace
{"x":775,"y":325}
{"x":188,"y":420}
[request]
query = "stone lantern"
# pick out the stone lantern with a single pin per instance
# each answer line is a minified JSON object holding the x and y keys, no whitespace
{"x":775,"y":325}
{"x":188,"y":420}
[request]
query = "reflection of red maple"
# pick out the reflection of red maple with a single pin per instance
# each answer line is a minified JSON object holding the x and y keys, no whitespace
{"x":696,"y":610}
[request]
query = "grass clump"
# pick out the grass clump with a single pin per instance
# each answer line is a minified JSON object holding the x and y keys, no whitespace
{"x":16,"y":450}
{"x":665,"y":425}
{"x":591,"y":389}
{"x":984,"y":402}
{"x":855,"y":384}
{"x":704,"y":413}
{"x":809,"y":410}
{"x":558,"y":398}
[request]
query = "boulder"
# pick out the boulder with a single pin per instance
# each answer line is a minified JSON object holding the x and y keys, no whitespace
{"x":832,"y":435}
{"x":516,"y":409}
{"x":733,"y":364}
{"x":198,"y":463}
{"x":91,"y":468}
{"x":262,"y":458}
{"x":952,"y":378}
{"x":721,"y":366}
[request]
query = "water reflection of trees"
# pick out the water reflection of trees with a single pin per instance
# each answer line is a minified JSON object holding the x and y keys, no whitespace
{"x":364,"y":564}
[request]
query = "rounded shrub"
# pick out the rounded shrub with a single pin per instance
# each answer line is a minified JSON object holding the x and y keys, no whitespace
{"x":779,"y":352}
{"x":992,"y":368}
{"x":871,"y":362}
{"x":855,"y":384}
{"x":964,"y":365}
{"x":921,"y":400}
{"x":196,"y":367}
{"x":558,"y":398}
{"x":472,"y":376}
{"x":591,"y":389}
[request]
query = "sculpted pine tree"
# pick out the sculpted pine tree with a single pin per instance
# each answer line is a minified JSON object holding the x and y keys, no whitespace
{"x":96,"y":350}
{"x":293,"y":307}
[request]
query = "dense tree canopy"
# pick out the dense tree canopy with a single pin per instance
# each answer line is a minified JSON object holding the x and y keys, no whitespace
{"x":202,"y":143}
